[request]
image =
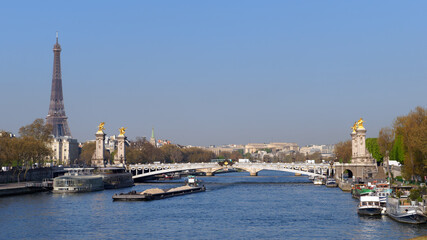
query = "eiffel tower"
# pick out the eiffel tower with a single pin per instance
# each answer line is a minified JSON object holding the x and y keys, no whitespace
{"x":56,"y":116}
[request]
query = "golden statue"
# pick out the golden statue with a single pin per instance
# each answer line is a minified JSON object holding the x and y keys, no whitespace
{"x":360,"y":123}
{"x":122,"y":130}
{"x":354,"y":127}
{"x":101,"y":127}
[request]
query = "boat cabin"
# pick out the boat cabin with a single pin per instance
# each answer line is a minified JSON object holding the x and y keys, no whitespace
{"x":369,"y":201}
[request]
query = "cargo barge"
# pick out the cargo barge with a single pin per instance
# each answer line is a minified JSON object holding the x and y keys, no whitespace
{"x":192,"y":186}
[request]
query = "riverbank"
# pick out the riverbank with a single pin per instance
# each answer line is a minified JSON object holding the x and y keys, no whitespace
{"x":10,"y":189}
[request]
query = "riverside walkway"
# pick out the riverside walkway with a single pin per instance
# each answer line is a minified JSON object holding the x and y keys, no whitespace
{"x":8,"y":189}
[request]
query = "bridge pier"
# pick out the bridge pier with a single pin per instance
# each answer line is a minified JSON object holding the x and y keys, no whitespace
{"x":253,"y":173}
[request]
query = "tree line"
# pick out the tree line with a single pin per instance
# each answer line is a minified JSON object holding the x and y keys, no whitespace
{"x":30,"y":148}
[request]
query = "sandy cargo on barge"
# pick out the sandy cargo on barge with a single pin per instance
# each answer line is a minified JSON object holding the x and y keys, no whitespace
{"x":157,"y":193}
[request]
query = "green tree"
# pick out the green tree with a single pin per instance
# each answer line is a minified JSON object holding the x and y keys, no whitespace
{"x":374,"y":149}
{"x":398,"y":150}
{"x":413,"y":129}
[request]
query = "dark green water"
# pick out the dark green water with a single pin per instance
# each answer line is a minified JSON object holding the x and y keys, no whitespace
{"x":274,"y":205}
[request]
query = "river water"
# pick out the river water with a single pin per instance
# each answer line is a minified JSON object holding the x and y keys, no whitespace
{"x":274,"y":205}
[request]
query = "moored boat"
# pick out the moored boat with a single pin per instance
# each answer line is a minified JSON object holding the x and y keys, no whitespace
{"x":383,"y":190}
{"x":77,"y":182}
{"x":402,"y":211}
{"x":369,"y":205}
{"x":318,"y":181}
{"x":192,"y":186}
{"x":115,"y":177}
{"x":330,"y":182}
{"x":359,"y":190}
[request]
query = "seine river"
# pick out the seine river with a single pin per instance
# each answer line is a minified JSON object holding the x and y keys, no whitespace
{"x":274,"y":205}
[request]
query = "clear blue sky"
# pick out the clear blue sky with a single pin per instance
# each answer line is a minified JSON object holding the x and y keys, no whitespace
{"x":216,"y":72}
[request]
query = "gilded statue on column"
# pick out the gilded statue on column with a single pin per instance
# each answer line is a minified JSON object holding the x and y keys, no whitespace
{"x":360,"y":123}
{"x":354,"y":127}
{"x":122,"y":131}
{"x":101,"y":127}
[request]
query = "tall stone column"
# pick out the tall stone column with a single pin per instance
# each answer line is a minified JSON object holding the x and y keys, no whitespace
{"x":358,"y":145}
{"x":120,"y":156}
{"x":353,"y":145}
{"x":361,"y":146}
{"x":98,"y":157}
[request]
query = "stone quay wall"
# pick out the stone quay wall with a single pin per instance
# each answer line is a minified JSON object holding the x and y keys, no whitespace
{"x":36,"y":174}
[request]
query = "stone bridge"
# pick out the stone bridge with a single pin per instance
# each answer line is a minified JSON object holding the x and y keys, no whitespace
{"x":148,"y":170}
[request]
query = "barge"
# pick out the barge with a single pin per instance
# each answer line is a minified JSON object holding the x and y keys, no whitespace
{"x":402,"y":211}
{"x":192,"y":186}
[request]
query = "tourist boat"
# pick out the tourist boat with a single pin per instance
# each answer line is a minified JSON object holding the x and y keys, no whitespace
{"x":77,"y":181}
{"x":192,"y":186}
{"x":403,"y":211}
{"x":369,"y":205}
{"x":330,"y":182}
{"x":115,"y":177}
{"x":318,"y":181}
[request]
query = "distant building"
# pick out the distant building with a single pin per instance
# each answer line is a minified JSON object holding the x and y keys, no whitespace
{"x":226,"y":148}
{"x":162,"y":142}
{"x":11,"y":135}
{"x":275,"y":147}
{"x":244,"y":160}
{"x":65,"y":151}
{"x":153,"y":139}
{"x":325,"y":150}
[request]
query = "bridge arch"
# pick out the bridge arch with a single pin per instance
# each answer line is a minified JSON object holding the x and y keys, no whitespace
{"x":349,"y":173}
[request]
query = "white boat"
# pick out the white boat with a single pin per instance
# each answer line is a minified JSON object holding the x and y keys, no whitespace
{"x":402,"y":211}
{"x":318,"y":181}
{"x":383,"y":194}
{"x":75,"y":184}
{"x":369,"y":205}
{"x":331,"y":183}
{"x":75,"y":181}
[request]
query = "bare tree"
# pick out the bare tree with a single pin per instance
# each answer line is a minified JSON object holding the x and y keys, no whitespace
{"x":343,"y":151}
